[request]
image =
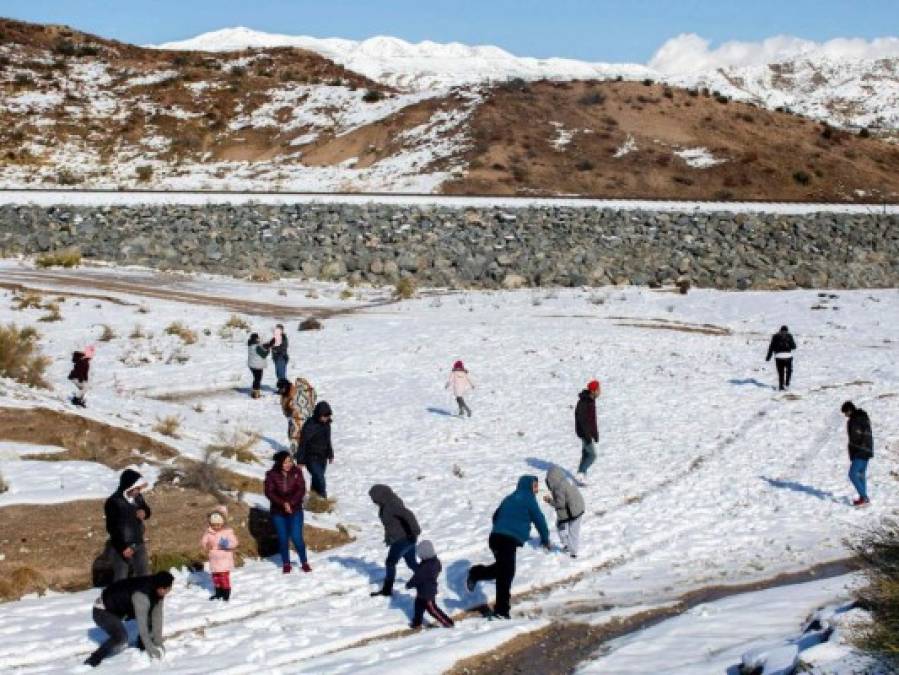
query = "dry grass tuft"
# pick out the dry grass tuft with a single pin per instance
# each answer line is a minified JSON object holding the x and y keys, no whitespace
{"x":66,"y":257}
{"x":27,"y":300}
{"x":20,"y":358}
{"x":53,"y":313}
{"x":236,"y":445}
{"x":405,"y":288}
{"x":262,"y":275}
{"x":879,"y":552}
{"x":318,"y":504}
{"x":137,"y":333}
{"x":168,"y":426}
{"x":311,"y":324}
{"x":107,"y":334}
{"x":205,"y":475}
{"x":237,"y":323}
{"x":21,"y":581}
{"x":187,"y":336}
{"x":4,"y":486}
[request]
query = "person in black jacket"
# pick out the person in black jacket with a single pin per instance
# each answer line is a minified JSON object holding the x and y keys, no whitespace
{"x":315,"y":450}
{"x":585,"y":428}
{"x":401,"y":531}
{"x":781,"y":348}
{"x":424,"y":581}
{"x":125,"y":511}
{"x":861,"y":449}
{"x":137,"y":598}
{"x":81,"y":365}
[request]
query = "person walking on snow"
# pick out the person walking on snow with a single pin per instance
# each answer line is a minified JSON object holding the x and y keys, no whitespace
{"x":861,"y":449}
{"x":425,"y":583}
{"x":781,"y":348}
{"x":315,"y":447}
{"x":81,"y":365}
{"x":125,"y":511}
{"x":278,"y":347}
{"x":511,"y":529}
{"x":218,"y":543}
{"x":257,"y":359}
{"x":138,"y":598}
{"x":460,"y":382}
{"x":285,"y":488}
{"x":401,"y":531}
{"x":585,"y":428}
{"x":566,"y":499}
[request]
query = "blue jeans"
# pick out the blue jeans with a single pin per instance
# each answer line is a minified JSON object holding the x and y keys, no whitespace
{"x":588,"y":455}
{"x":857,"y":470}
{"x":405,"y":549}
{"x":316,"y":471}
{"x":280,"y":367}
{"x":290,"y":528}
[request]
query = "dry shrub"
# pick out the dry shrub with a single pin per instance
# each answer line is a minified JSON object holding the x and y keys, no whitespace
{"x":163,"y":561}
{"x":67,"y":257}
{"x":107,"y":334}
{"x":52,"y":314}
{"x":346,"y":294}
{"x":168,"y":426}
{"x":21,"y":581}
{"x":4,"y":486}
{"x":27,"y":300}
{"x":262,"y":274}
{"x":237,"y":323}
{"x":236,"y":445}
{"x":204,"y":475}
{"x":879,"y":551}
{"x":311,"y":324}
{"x":144,"y":172}
{"x":187,"y":336}
{"x":137,"y":333}
{"x":20,"y":358}
{"x":405,"y":288}
{"x":318,"y":504}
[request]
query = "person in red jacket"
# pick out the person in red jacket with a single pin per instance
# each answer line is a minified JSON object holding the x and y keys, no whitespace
{"x":285,"y":488}
{"x":585,"y":428}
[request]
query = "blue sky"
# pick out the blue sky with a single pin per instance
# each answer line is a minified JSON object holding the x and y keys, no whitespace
{"x":597,"y":30}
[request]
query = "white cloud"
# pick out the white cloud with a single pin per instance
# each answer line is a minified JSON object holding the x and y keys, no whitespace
{"x":690,"y":53}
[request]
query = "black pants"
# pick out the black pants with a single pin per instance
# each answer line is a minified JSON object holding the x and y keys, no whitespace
{"x":114,"y":627}
{"x":428,"y":604}
{"x":503,"y":570}
{"x":257,"y":378}
{"x":784,"y":372}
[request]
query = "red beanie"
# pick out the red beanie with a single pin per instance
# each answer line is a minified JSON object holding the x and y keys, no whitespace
{"x":593,"y":385}
{"x":458,"y":365}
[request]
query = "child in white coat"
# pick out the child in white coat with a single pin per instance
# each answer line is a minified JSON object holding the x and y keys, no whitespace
{"x":461,"y":384}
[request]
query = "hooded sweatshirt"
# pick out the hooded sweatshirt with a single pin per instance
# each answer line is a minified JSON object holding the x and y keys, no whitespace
{"x":424,"y":580}
{"x":516,"y":512}
{"x":122,"y":523}
{"x":81,"y":365}
{"x":398,"y":521}
{"x":861,"y":438}
{"x":315,"y":442}
{"x":585,"y":417}
{"x":782,"y":345}
{"x":567,"y":499}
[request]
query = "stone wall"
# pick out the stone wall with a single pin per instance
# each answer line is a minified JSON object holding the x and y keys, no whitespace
{"x":474,"y":247}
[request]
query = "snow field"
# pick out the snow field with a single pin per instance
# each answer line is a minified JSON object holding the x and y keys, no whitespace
{"x":704,"y":476}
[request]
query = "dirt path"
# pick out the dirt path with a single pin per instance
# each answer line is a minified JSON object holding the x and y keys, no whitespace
{"x":560,"y":647}
{"x":162,"y":288}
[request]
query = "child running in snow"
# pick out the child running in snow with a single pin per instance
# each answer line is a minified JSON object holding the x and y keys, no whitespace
{"x":566,"y":499}
{"x":424,"y":581}
{"x":81,"y":364}
{"x":219,"y":542}
{"x":461,"y":384}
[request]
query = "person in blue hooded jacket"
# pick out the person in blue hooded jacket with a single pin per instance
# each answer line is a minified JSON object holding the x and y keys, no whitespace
{"x":511,"y":529}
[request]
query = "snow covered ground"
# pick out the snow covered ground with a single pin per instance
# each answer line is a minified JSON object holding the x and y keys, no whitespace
{"x":705,"y":475}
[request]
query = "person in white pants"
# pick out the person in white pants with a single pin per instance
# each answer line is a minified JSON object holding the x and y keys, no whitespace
{"x":568,"y":502}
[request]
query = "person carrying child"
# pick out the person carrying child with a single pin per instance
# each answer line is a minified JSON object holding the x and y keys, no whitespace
{"x":218,"y":543}
{"x":425,"y":583}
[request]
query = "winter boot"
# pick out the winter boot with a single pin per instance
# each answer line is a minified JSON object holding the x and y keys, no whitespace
{"x":93,"y":661}
{"x":305,"y":567}
{"x":217,"y":594}
{"x":286,"y":568}
{"x":256,"y":393}
{"x":226,"y":594}
{"x":581,"y":479}
{"x":386,"y":592}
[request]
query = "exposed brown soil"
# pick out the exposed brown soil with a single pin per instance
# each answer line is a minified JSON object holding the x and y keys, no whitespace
{"x":560,"y":647}
{"x":705,"y":329}
{"x":513,"y":153}
{"x":54,"y":546}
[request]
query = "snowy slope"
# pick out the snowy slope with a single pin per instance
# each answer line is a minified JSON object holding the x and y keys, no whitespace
{"x":704,"y":475}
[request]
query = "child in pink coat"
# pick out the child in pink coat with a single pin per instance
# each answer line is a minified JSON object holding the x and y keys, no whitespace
{"x":219,"y":542}
{"x":461,"y":384}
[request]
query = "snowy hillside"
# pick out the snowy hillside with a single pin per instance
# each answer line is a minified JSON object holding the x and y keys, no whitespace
{"x":844,"y":89}
{"x":705,"y":475}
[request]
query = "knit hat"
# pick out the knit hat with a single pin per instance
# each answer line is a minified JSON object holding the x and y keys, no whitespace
{"x":163,"y":580}
{"x":130,"y":479}
{"x":89,"y":351}
{"x":458,"y":365}
{"x":425,"y":550}
{"x":593,"y":385}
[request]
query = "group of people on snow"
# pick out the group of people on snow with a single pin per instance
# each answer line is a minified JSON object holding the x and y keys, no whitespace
{"x":136,"y":594}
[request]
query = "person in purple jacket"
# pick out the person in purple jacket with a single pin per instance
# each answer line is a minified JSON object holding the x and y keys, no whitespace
{"x":424,"y":581}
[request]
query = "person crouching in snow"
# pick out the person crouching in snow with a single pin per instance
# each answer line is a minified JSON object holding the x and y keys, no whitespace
{"x":218,"y":543}
{"x":585,"y":428}
{"x":461,"y":384}
{"x":81,"y":365}
{"x":566,"y":499}
{"x":257,"y":359}
{"x":424,"y":581}
{"x":401,"y":531}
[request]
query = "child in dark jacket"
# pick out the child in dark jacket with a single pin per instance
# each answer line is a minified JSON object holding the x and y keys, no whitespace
{"x":81,"y":365}
{"x":424,"y":581}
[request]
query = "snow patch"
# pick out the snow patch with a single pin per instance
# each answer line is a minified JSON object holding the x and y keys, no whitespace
{"x":698,"y":158}
{"x":626,"y":148}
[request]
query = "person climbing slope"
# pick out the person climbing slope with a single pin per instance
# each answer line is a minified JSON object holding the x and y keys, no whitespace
{"x":401,"y":531}
{"x":425,"y":582}
{"x":586,"y":429}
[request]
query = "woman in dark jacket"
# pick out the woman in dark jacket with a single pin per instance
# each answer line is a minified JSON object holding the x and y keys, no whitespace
{"x":401,"y":531}
{"x":81,"y":365}
{"x":315,"y":446}
{"x":125,"y":512}
{"x":285,"y":488}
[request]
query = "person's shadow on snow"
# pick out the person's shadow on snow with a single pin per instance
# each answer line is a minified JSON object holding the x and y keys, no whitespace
{"x":456,"y":574}
{"x":750,"y":381}
{"x":825,"y":495}
{"x":440,"y":411}
{"x":274,"y":444}
{"x":543,"y":465}
{"x":201,"y":579}
{"x":374,"y":571}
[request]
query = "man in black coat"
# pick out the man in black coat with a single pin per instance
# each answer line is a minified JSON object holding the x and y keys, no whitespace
{"x":315,"y":450}
{"x":401,"y":531}
{"x":137,"y":598}
{"x":125,"y":511}
{"x":586,"y":429}
{"x":781,"y":348}
{"x":861,"y":449}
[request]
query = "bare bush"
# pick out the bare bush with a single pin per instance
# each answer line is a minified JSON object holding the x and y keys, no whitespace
{"x":204,"y":475}
{"x":107,"y":334}
{"x":20,"y":358}
{"x":311,"y":324}
{"x":53,"y":313}
{"x":168,"y":426}
{"x":405,"y":288}
{"x":27,"y":300}
{"x":878,"y":550}
{"x":4,"y":486}
{"x":187,"y":336}
{"x":137,"y":333}
{"x":236,"y":445}
{"x":67,"y":257}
